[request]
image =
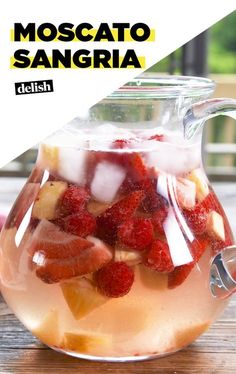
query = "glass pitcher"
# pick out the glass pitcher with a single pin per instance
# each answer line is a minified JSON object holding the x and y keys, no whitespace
{"x":117,"y":247}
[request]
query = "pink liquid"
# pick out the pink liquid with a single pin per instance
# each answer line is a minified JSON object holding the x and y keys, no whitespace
{"x":163,"y":310}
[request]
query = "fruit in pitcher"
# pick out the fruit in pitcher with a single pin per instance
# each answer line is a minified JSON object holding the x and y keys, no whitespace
{"x":215,"y":226}
{"x":180,"y":273}
{"x":58,"y":255}
{"x":48,"y":330}
{"x":82,"y":296}
{"x":86,"y":343}
{"x":158,"y":257}
{"x":109,"y":221}
{"x":197,"y":219}
{"x":49,"y":242}
{"x":188,"y":334}
{"x":89,"y":260}
{"x":115,"y":279}
{"x":202,"y":189}
{"x":129,"y":257}
{"x":136,"y":233}
{"x":186,"y":193}
{"x":46,"y":204}
{"x":49,"y":157}
{"x":74,"y":199}
{"x":158,"y":219}
{"x":81,"y":224}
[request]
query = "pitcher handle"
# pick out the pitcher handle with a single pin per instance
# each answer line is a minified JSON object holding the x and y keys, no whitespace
{"x":223,"y":267}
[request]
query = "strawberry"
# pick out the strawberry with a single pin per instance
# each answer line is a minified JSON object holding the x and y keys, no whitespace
{"x":180,"y":273}
{"x":211,"y":203}
{"x":158,"y":219}
{"x":137,"y":169}
{"x":218,"y":245}
{"x":120,"y":143}
{"x":137,"y":174}
{"x":153,"y":200}
{"x":157,"y":137}
{"x":109,"y":221}
{"x":80,"y":224}
{"x":196,"y":219}
{"x":74,"y":199}
{"x":136,"y":233}
{"x":115,"y":279}
{"x":158,"y":257}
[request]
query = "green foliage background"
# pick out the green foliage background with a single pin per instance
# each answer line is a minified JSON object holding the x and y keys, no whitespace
{"x":221,"y":49}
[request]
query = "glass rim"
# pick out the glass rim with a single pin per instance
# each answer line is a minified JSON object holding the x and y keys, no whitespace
{"x":152,"y":86}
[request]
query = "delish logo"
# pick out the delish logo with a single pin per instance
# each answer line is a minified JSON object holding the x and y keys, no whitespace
{"x":24,"y":88}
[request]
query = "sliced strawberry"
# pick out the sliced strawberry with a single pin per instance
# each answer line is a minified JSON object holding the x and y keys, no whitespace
{"x":49,"y":242}
{"x":196,"y":219}
{"x":136,"y":233}
{"x":157,"y":137}
{"x":138,"y":177}
{"x":218,"y":245}
{"x":74,"y":199}
{"x":211,"y":203}
{"x":81,"y":224}
{"x":158,"y":219}
{"x":137,"y":169}
{"x":180,"y":273}
{"x":120,"y":144}
{"x":158,"y":257}
{"x":115,"y":279}
{"x":89,"y":260}
{"x":153,"y":200}
{"x":109,"y":221}
{"x":178,"y":276}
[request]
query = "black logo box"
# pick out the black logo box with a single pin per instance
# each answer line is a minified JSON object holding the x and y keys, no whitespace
{"x":26,"y":88}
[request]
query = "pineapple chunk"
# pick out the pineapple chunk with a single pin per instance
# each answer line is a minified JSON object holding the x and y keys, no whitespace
{"x":186,"y":193}
{"x":215,"y":225}
{"x":202,"y":189}
{"x":130,"y":257}
{"x":49,"y":157}
{"x":187,"y":335}
{"x":82,"y":297}
{"x":96,"y":207}
{"x":86,"y":343}
{"x":45,"y":205}
{"x":48,"y":330}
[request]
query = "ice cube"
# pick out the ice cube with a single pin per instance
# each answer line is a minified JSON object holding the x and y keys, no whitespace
{"x":72,"y":165}
{"x":172,"y":158}
{"x":107,"y":180}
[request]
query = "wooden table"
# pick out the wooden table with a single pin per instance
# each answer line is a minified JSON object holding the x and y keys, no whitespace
{"x":213,"y":353}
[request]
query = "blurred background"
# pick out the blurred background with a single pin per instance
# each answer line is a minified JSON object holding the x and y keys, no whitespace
{"x":211,"y":54}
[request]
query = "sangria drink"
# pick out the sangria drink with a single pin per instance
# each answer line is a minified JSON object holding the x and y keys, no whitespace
{"x":107,"y":251}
